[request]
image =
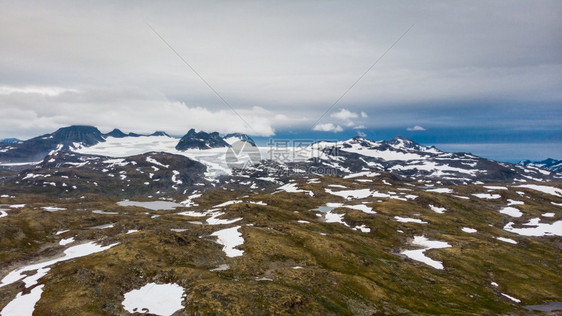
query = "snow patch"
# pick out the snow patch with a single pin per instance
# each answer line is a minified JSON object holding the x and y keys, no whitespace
{"x":511,"y":211}
{"x":409,"y":220}
{"x":542,"y":188}
{"x":427,"y":244}
{"x":158,"y":299}
{"x":487,"y":196}
{"x":230,"y":238}
{"x":436,"y":209}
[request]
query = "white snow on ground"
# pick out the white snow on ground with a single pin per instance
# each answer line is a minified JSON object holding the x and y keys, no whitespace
{"x":368,"y":174}
{"x":487,"y":196}
{"x":3,"y":213}
{"x":229,"y":203}
{"x":24,"y":304}
{"x":437,"y":169}
{"x":511,"y":211}
{"x":536,"y":228}
{"x":61,"y":232}
{"x":462,"y":197}
{"x":511,"y":298}
{"x":409,"y":220}
{"x":492,"y":187}
{"x":221,"y":267}
{"x":66,"y":241}
{"x":213,"y":158}
{"x":175,"y":177}
{"x":469,"y":230}
{"x":361,"y":207}
{"x":230,"y":238}
{"x":189,"y":202}
{"x":158,"y":299}
{"x":104,"y":212}
{"x":155,"y":162}
{"x":116,"y":162}
{"x":353,"y":194}
{"x":238,"y":202}
{"x":196,"y":214}
{"x":557,"y":204}
{"x":104,"y":226}
{"x":130,"y":231}
{"x":337,"y":186}
{"x":440,"y":190}
{"x":151,"y":205}
{"x":303,"y":221}
{"x":362,"y":228}
{"x":494,"y":284}
{"x":383,"y":154}
{"x":548,"y":215}
{"x":511,"y":202}
{"x":436,"y":209}
{"x":334,"y":218}
{"x":542,"y":188}
{"x":53,"y":208}
{"x":511,"y":241}
{"x":427,"y":244}
{"x":13,"y":164}
{"x":292,"y":188}
{"x":16,"y":206}
{"x":213,"y":220}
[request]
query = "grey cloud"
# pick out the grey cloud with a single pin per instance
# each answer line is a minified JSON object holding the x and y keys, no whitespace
{"x":291,"y":58}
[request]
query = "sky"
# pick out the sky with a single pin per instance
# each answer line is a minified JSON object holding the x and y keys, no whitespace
{"x":475,"y":76}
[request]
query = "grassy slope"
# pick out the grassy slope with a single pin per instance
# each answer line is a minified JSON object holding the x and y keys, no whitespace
{"x":344,"y":271}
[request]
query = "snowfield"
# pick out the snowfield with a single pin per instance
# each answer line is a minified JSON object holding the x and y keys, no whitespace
{"x":536,"y":228}
{"x":23,"y":304}
{"x":427,"y":244}
{"x":158,"y":299}
{"x":542,"y":188}
{"x":230,"y":238}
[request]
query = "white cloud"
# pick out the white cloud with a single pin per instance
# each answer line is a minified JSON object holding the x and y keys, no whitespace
{"x":347,"y":118}
{"x":415,"y":128}
{"x":361,"y":134}
{"x":127,"y":109}
{"x":344,"y":115}
{"x":328,"y":127}
{"x":47,"y":91}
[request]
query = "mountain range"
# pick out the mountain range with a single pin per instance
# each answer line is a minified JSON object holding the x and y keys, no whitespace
{"x":358,"y":227}
{"x":74,"y":137}
{"x":547,"y":164}
{"x":399,"y":156}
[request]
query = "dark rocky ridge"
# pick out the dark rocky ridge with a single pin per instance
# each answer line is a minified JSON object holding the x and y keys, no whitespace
{"x":201,"y":140}
{"x":65,"y":138}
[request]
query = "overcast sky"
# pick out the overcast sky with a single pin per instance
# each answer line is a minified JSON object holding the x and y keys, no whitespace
{"x":466,"y":72}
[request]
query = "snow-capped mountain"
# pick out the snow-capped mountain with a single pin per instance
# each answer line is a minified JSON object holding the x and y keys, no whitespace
{"x":406,"y":159}
{"x":547,"y":164}
{"x":201,"y":140}
{"x":236,"y":137}
{"x":9,"y":141}
{"x":399,"y":156}
{"x":66,"y":138}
